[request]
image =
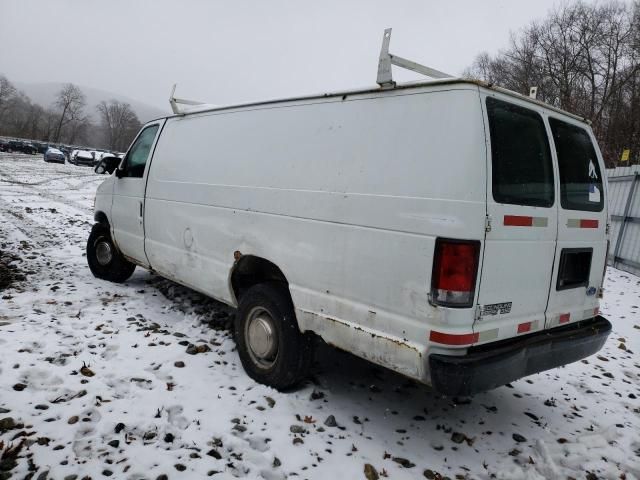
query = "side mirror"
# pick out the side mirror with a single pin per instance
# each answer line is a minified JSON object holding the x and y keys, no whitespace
{"x":107,"y":165}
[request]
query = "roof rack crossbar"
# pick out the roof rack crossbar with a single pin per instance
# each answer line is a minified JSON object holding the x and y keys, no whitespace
{"x":180,"y":101}
{"x":385,"y":77}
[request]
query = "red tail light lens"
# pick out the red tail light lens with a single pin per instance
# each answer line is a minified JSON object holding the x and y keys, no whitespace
{"x":455,"y":266}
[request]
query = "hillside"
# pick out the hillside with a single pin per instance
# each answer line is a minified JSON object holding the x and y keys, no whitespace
{"x":45,"y":93}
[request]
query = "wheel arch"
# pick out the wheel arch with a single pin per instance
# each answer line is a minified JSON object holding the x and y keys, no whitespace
{"x":250,"y":270}
{"x":101,"y":217}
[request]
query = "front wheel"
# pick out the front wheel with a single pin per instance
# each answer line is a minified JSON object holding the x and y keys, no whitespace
{"x":272,"y":349}
{"x":104,"y":259}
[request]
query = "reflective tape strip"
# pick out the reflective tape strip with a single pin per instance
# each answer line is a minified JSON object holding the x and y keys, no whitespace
{"x":524,"y":221}
{"x":527,"y":326}
{"x":453,"y":338}
{"x":518,"y":221}
{"x":559,"y":319}
{"x":582,"y":223}
{"x":488,"y":335}
{"x":591,"y":312}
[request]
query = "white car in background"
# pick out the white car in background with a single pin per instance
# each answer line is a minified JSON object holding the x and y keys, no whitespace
{"x":83,"y":157}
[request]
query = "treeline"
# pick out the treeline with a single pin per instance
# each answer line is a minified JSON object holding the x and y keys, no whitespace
{"x":583,"y":58}
{"x":66,"y":121}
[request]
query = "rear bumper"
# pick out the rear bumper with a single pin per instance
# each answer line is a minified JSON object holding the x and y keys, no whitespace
{"x":492,"y":365}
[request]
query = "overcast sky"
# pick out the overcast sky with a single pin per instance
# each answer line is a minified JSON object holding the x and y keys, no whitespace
{"x":232,"y":51}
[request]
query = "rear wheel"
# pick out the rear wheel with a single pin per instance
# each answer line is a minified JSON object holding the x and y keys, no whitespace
{"x":104,"y":259}
{"x":272,"y":349}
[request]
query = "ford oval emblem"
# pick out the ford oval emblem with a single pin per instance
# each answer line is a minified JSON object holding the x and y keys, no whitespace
{"x":591,"y":291}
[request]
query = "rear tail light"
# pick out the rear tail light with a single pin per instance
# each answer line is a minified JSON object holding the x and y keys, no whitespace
{"x":455,"y":266}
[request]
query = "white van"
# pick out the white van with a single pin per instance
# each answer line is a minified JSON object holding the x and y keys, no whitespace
{"x":450,"y":231}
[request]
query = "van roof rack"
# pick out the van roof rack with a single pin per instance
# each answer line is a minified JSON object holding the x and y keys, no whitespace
{"x":181,"y":101}
{"x":385,"y":78}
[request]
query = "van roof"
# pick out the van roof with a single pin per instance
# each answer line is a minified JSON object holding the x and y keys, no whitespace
{"x":408,"y":85}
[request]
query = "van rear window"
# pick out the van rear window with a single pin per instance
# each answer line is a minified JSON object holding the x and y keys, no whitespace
{"x":521,"y":159}
{"x":580,"y":178}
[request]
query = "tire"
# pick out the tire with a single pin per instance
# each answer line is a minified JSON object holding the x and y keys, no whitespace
{"x":104,"y":259}
{"x":286,"y":364}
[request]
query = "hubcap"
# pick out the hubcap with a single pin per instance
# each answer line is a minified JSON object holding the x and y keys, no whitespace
{"x":104,"y":252}
{"x":261,"y":337}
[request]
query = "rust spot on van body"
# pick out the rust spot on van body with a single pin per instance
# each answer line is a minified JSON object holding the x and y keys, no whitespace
{"x":341,"y":323}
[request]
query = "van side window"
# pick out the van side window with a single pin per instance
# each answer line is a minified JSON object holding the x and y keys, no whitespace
{"x":522,"y":170}
{"x":580,"y":177}
{"x":139,"y":153}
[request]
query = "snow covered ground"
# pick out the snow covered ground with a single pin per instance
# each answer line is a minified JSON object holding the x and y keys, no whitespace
{"x":95,"y":380}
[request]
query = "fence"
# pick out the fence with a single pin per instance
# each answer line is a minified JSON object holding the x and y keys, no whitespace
{"x":624,"y":212}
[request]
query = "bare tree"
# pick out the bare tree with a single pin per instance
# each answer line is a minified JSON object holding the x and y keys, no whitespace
{"x":119,"y":123}
{"x":64,"y":122}
{"x":77,"y":130}
{"x":7,"y":93}
{"x":583,"y":58}
{"x":17,"y":118}
{"x":35,"y":121}
{"x":70,"y":102}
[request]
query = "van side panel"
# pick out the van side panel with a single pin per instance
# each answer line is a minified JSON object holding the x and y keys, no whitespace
{"x":345,"y":196}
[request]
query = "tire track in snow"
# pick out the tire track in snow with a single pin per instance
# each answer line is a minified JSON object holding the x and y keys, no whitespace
{"x":26,"y":226}
{"x":49,"y":195}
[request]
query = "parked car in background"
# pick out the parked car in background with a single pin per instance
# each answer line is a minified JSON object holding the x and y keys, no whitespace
{"x":29,"y":148}
{"x":65,"y":150}
{"x":22,"y":147}
{"x":4,"y":146}
{"x":83,"y":157}
{"x":41,"y":147}
{"x":100,"y":154}
{"x":54,"y":155}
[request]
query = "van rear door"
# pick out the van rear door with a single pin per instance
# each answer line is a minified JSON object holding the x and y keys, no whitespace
{"x":582,"y":218}
{"x":520,"y":241}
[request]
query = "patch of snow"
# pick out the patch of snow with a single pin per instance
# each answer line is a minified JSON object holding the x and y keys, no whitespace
{"x":96,"y":379}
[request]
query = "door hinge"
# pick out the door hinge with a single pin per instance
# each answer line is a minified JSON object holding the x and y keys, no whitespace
{"x":478,"y":313}
{"x":607,"y":229}
{"x":487,"y":223}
